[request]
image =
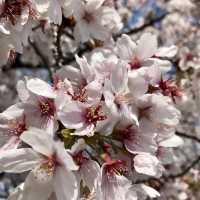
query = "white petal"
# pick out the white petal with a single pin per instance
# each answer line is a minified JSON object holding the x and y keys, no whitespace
{"x":41,"y":88}
{"x":90,"y":172}
{"x":152,"y":193}
{"x":35,"y":188}
{"x":13,"y":112}
{"x":64,"y":157}
{"x":147,"y":46}
{"x":167,"y":52}
{"x":39,"y":140}
{"x":86,"y":69}
{"x":42,"y":5}
{"x":116,"y":188}
{"x":148,"y":164}
{"x":173,"y":141}
{"x":23,"y":93}
{"x":11,"y":143}
{"x":86,"y":129}
{"x":71,"y":116}
{"x":119,"y":78}
{"x":18,"y":160}
{"x":126,"y":48}
{"x":129,"y":115}
{"x":65,"y":185}
{"x":4,"y":30}
{"x":94,"y":92}
{"x":137,"y":84}
{"x":55,"y":12}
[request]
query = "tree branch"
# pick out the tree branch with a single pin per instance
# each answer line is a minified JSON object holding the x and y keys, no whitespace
{"x":192,"y":137}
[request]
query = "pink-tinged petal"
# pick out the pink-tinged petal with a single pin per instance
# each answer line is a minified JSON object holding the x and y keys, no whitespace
{"x":37,"y":188}
{"x":12,"y":143}
{"x":65,"y":184}
{"x":148,"y":165}
{"x":147,"y":46}
{"x":115,"y":188}
{"x":71,"y":116}
{"x":94,"y":92}
{"x":142,"y":139}
{"x":64,"y":157}
{"x":39,"y":140}
{"x":90,"y":173}
{"x":137,"y":84}
{"x":18,"y":160}
{"x":141,"y":143}
{"x":78,"y":146}
{"x":41,"y":88}
{"x":62,"y":99}
{"x":126,"y":48}
{"x":119,"y":78}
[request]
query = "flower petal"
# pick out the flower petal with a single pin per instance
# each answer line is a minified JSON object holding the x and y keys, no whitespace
{"x":40,"y":87}
{"x":148,"y":164}
{"x":35,"y":188}
{"x":147,"y":46}
{"x":65,"y":185}
{"x":39,"y":140}
{"x":18,"y":160}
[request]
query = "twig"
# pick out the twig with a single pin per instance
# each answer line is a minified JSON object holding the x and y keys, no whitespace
{"x":192,"y":137}
{"x":185,"y":171}
{"x":84,"y":49}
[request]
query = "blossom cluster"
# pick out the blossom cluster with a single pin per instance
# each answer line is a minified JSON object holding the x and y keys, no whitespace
{"x":97,"y":129}
{"x":18,"y":19}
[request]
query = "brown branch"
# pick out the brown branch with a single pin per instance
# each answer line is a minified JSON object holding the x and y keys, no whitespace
{"x":185,"y":171}
{"x":149,"y":23}
{"x":192,"y":137}
{"x":70,"y":57}
{"x":84,"y":48}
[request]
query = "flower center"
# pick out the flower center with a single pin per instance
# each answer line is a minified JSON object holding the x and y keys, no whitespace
{"x":116,"y":167}
{"x":80,"y":158}
{"x":135,"y":64}
{"x":46,"y":107}
{"x":46,"y":169}
{"x":17,"y":127}
{"x":122,"y":98}
{"x":128,"y":133}
{"x":88,"y":17}
{"x":169,"y":89}
{"x":80,"y":95}
{"x":94,"y":114}
{"x":12,"y":9}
